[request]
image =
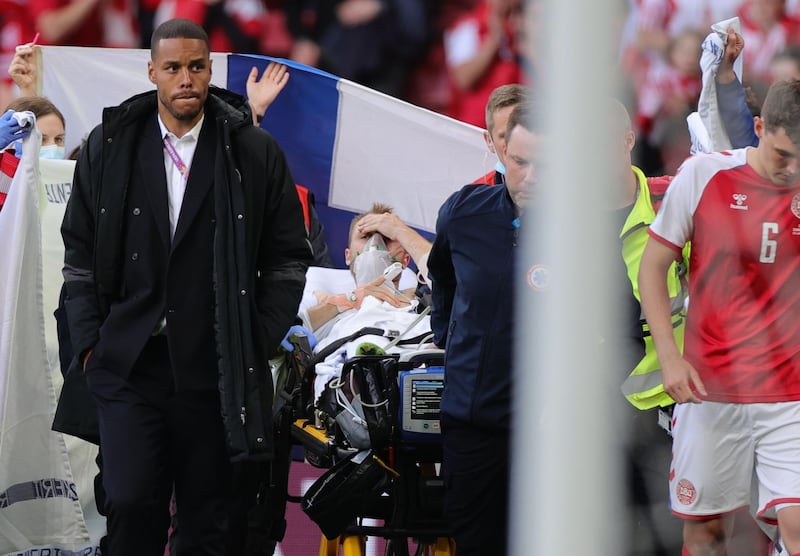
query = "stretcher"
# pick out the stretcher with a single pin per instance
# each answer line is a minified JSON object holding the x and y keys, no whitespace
{"x":388,"y":471}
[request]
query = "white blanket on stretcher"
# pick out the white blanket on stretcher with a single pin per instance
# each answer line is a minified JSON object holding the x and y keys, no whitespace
{"x":373,"y":313}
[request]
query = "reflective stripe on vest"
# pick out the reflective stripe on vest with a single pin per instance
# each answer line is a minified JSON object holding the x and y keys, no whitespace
{"x":643,"y":388}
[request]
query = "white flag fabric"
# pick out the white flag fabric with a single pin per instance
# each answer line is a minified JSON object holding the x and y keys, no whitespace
{"x":55,"y":188}
{"x":82,"y":81}
{"x":40,"y":502}
{"x":38,"y":499}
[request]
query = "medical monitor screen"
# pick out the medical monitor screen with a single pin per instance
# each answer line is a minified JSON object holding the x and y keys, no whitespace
{"x":426,"y":395}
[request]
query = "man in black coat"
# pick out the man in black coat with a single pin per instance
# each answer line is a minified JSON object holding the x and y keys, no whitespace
{"x":185,"y":254}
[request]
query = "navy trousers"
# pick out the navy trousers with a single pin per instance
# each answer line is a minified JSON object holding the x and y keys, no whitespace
{"x":155,"y":441}
{"x":475,"y":468}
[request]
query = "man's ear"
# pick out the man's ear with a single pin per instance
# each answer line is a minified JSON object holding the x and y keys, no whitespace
{"x":151,"y":71}
{"x":489,"y":142}
{"x":406,"y":260}
{"x":347,"y":260}
{"x":758,"y":126}
{"x":630,"y":140}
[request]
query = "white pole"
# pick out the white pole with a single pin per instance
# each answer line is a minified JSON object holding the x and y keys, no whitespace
{"x":567,"y":496}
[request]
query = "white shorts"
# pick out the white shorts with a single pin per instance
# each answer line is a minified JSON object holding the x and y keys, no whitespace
{"x":716,"y":449}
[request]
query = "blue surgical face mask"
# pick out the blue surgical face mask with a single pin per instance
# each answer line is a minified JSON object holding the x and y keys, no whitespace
{"x":500,"y":167}
{"x":54,"y":152}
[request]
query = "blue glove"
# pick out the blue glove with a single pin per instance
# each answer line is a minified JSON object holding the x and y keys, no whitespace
{"x":10,"y":130}
{"x":297,"y":329}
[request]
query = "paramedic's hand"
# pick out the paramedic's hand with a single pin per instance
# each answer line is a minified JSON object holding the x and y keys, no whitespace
{"x":733,"y":47}
{"x":387,"y":224}
{"x":377,"y":289}
{"x":10,"y":130}
{"x":681,"y":381}
{"x":297,"y":329}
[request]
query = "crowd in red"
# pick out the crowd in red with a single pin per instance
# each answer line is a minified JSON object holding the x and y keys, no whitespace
{"x":396,"y":46}
{"x":660,"y":46}
{"x":402,"y":47}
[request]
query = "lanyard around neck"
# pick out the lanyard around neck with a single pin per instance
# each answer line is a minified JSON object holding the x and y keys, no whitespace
{"x":176,"y":158}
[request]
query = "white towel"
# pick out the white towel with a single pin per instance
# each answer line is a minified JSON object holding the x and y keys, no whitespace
{"x":705,"y":126}
{"x":25,"y":118}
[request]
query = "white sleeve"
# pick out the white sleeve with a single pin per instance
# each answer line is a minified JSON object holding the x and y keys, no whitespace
{"x":461,"y":43}
{"x":674,"y":222}
{"x":330,"y":280}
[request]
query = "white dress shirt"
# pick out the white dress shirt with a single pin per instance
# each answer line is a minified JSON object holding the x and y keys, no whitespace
{"x":176,"y":181}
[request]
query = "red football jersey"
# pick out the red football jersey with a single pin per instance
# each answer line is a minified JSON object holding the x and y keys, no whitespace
{"x":743,"y":323}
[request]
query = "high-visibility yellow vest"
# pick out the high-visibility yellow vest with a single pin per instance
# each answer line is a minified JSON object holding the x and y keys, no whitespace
{"x":643,"y":387}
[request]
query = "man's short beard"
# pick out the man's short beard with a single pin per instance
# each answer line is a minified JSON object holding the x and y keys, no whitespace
{"x":167,"y":103}
{"x":186,"y":117}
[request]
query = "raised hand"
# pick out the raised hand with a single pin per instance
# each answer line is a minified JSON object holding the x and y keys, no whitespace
{"x":262,"y":92}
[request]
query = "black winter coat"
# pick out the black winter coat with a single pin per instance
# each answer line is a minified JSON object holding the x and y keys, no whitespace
{"x":260,"y":253}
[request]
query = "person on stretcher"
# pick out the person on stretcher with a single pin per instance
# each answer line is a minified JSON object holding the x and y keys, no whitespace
{"x":383,"y":297}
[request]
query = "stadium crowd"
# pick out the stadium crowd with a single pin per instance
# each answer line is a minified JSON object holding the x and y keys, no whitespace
{"x":401,"y":46}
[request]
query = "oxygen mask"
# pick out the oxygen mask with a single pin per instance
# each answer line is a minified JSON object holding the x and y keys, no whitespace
{"x":371,"y":263}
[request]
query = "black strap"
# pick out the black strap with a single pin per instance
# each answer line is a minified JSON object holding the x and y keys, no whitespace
{"x":322,"y":355}
{"x":414,"y":340}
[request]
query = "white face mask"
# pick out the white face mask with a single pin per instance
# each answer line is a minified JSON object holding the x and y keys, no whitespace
{"x":370,"y":263}
{"x":55,"y":152}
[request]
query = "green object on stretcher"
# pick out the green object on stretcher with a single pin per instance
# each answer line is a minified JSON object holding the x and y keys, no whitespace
{"x":368,"y":348}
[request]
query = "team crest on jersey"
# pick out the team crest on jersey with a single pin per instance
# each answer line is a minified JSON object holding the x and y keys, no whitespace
{"x":685,"y":492}
{"x":539,"y":277}
{"x":739,"y":200}
{"x":796,"y":205}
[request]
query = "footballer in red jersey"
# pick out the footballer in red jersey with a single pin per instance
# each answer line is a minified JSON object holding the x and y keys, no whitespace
{"x":738,"y":385}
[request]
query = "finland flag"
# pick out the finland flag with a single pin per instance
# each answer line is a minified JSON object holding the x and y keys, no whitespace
{"x":349,"y":145}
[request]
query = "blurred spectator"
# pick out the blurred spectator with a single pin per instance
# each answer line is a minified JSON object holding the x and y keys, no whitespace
{"x":275,"y":38}
{"x":146,"y":17}
{"x":481,"y":54}
{"x":16,"y":27}
{"x":671,"y":87}
{"x":429,"y":85}
{"x":49,"y":119}
{"x":372,"y":42}
{"x":785,"y":64}
{"x":232,"y":25}
{"x":652,"y":24}
{"x":767,"y":30}
{"x":22,"y":69}
{"x":529,"y":29}
{"x":672,"y":142}
{"x":110,"y":23}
